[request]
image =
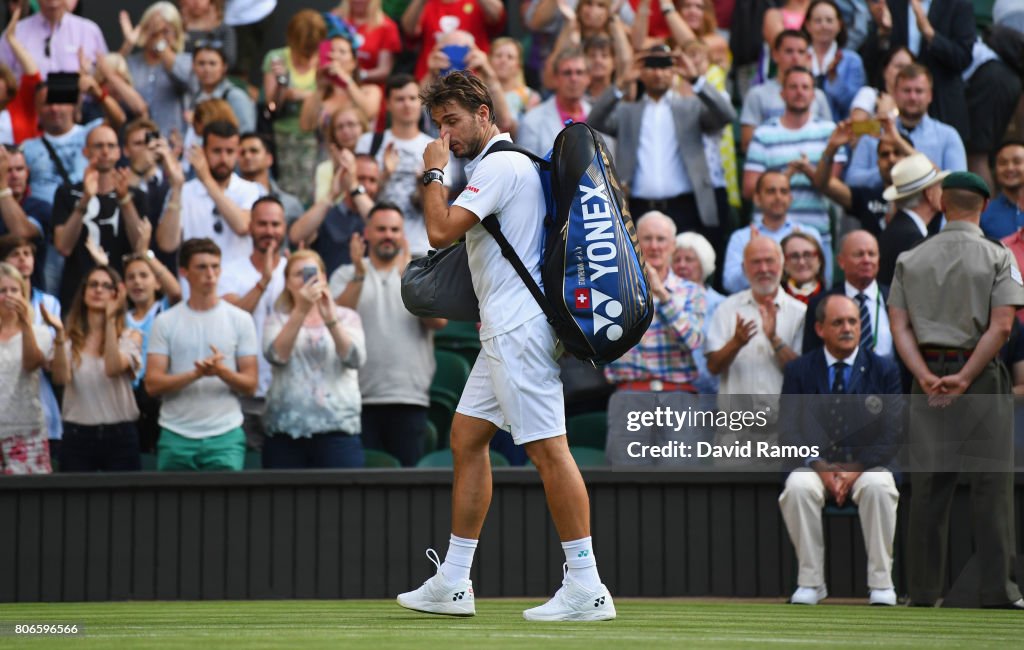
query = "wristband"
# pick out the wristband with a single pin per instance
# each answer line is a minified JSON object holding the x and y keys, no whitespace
{"x":777,"y":348}
{"x":126,"y":199}
{"x":330,"y":323}
{"x":4,"y":193}
{"x":358,"y":278}
{"x":260,"y":284}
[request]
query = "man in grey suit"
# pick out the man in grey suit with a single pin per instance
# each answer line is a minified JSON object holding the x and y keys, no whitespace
{"x":541,"y":124}
{"x":665,"y":173}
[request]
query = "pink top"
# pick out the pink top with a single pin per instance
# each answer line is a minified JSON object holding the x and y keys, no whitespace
{"x":792,"y":19}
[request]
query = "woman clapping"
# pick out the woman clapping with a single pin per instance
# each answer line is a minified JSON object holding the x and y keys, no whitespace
{"x":103,"y":356}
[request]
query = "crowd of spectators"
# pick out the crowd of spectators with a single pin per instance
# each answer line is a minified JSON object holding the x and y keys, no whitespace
{"x":204,"y":224}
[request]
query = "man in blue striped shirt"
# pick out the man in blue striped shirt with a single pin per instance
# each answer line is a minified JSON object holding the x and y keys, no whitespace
{"x":780,"y":144}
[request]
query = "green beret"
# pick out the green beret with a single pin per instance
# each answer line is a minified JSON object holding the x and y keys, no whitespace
{"x":966,"y":181}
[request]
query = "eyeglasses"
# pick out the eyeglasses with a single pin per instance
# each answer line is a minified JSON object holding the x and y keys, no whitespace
{"x":806,"y":256}
{"x":96,"y":284}
{"x":218,"y":225}
{"x":207,"y":44}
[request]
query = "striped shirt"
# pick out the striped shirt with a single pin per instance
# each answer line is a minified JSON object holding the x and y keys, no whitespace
{"x":664,"y":352}
{"x":774,"y":146}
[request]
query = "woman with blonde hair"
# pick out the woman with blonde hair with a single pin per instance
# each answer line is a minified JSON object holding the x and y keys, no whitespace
{"x":24,"y":350}
{"x":160,"y":69}
{"x":315,"y":347}
{"x":507,"y":60}
{"x":346,"y":125}
{"x":381,"y":40}
{"x":289,"y":77}
{"x":102,"y":357}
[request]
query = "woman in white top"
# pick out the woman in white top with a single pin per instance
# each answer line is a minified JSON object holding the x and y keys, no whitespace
{"x":315,"y":347}
{"x":24,"y":349}
{"x":102,"y":357}
{"x":145,"y":277}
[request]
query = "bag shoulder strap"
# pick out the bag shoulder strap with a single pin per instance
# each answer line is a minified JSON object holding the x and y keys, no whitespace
{"x":505,"y":145}
{"x":492,"y":226}
{"x":378,"y":139}
{"x":57,"y":162}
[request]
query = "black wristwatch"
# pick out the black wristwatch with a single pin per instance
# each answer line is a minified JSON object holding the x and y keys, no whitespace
{"x":432,"y":175}
{"x":357,"y":190}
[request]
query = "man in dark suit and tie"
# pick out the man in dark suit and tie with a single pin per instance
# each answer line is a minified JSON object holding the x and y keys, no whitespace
{"x":660,"y":147}
{"x":916,"y":192}
{"x":858,"y":258}
{"x":845,"y":400}
{"x":941,"y":34}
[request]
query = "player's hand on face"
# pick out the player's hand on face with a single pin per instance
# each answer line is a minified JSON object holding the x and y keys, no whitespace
{"x":435,"y":156}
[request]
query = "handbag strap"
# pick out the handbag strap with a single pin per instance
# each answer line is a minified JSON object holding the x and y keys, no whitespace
{"x":57,"y":162}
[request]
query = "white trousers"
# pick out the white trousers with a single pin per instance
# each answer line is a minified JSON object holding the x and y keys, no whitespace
{"x":876,"y":497}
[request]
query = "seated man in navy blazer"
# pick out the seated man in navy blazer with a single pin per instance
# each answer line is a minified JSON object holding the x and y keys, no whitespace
{"x":846,"y":400}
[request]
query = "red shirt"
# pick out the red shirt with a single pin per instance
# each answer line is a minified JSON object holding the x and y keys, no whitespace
{"x":656,"y":25}
{"x":462,"y":14}
{"x":374,"y":40}
{"x":24,"y":120}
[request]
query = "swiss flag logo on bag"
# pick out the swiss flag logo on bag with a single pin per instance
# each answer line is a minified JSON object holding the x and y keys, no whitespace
{"x":582,"y":299}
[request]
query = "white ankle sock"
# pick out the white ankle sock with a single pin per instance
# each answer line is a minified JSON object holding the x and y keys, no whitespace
{"x":579,"y":555}
{"x":459,"y":558}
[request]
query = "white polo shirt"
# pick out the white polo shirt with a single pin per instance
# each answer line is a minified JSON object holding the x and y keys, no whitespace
{"x":507,"y":184}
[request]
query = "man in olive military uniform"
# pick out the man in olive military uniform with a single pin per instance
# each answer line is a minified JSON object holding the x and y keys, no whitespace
{"x":951,"y":308}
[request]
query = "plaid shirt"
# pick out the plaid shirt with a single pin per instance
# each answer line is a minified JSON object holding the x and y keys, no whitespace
{"x":664,"y":351}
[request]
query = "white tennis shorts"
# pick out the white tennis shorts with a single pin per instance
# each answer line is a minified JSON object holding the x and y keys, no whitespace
{"x":515,"y":383}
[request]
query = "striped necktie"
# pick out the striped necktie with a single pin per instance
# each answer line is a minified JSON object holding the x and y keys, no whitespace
{"x":866,"y":339}
{"x":838,"y":378}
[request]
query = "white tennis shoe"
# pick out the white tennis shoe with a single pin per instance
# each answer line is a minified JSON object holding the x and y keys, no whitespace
{"x":439,"y":596}
{"x":574,"y":602}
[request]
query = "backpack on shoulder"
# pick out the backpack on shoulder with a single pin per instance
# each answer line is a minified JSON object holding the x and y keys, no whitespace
{"x":596,"y":295}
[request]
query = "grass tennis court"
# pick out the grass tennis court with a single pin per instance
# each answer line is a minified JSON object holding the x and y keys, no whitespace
{"x":646,"y":624}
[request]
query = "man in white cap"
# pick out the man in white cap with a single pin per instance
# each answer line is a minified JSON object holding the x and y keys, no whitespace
{"x":916,"y":192}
